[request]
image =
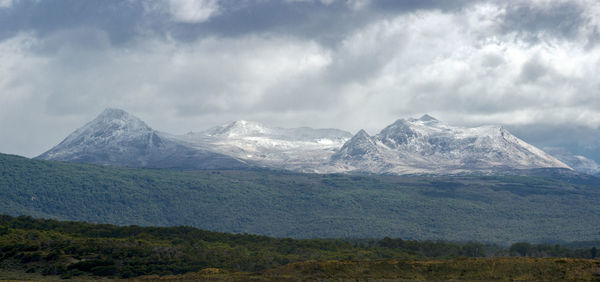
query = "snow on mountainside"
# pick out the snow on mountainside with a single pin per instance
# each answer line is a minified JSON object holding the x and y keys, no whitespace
{"x":118,"y":138}
{"x":411,"y":146}
{"x":578,"y":163}
{"x":427,"y":145}
{"x":300,"y":149}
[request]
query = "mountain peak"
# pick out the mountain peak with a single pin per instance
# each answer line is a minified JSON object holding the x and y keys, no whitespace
{"x":357,"y":147}
{"x":117,"y":118}
{"x":361,"y":137}
{"x":427,"y":117}
{"x":362,"y":133}
{"x":113,"y":112}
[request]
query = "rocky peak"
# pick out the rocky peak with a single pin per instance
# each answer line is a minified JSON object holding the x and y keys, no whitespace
{"x":427,"y":117}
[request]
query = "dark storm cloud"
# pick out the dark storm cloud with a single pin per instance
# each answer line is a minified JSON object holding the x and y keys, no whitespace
{"x":118,"y":18}
{"x":125,"y":20}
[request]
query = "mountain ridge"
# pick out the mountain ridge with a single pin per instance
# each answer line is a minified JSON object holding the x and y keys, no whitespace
{"x":407,"y":146}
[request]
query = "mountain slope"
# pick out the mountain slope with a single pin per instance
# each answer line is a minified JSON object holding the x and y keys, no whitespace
{"x":491,"y":209}
{"x":427,"y":145}
{"x":118,"y":138}
{"x":299,"y":149}
{"x":577,"y":162}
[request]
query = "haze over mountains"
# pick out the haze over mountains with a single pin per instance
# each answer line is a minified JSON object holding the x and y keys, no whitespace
{"x":408,"y":146}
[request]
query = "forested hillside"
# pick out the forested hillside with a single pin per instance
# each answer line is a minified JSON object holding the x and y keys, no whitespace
{"x":502,"y":209}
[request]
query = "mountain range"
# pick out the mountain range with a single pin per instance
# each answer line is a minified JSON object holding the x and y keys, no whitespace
{"x":408,"y":146}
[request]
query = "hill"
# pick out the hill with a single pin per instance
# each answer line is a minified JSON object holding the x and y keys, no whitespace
{"x":501,"y":209}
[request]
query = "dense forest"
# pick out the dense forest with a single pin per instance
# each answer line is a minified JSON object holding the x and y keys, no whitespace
{"x":497,"y":209}
{"x":68,"y":249}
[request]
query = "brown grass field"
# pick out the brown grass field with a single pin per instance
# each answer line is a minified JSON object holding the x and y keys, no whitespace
{"x":476,"y":269}
{"x":461,"y":269}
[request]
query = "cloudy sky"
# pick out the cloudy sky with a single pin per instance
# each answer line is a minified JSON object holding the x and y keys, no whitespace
{"x":181,"y":65}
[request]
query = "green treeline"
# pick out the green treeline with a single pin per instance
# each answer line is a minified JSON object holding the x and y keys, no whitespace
{"x":499,"y":209}
{"x":68,"y":249}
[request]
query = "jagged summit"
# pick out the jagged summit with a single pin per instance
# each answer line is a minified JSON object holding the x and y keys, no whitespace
{"x":362,"y":134}
{"x":360,"y":140}
{"x":359,"y":147}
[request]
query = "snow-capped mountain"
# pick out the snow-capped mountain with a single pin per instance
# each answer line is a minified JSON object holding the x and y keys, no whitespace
{"x":576,"y":162}
{"x":118,"y":138}
{"x":300,"y":149}
{"x":426,"y":145}
{"x":412,"y":146}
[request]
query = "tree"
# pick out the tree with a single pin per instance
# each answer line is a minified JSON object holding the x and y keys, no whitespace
{"x":521,"y":248}
{"x":474,"y":249}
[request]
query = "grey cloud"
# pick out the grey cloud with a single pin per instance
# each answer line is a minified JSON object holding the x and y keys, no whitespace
{"x":492,"y":61}
{"x":118,"y":18}
{"x":563,"y":19}
{"x":412,"y":5}
{"x":294,"y":64}
{"x":533,"y":70}
{"x":127,"y":20}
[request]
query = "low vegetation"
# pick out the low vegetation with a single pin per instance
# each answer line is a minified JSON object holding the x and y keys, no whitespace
{"x":58,"y":249}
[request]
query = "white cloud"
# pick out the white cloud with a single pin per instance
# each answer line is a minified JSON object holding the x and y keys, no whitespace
{"x":6,"y":3}
{"x":458,"y":66}
{"x":193,"y":11}
{"x":202,"y":83}
{"x":324,"y":2}
{"x":357,"y":4}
